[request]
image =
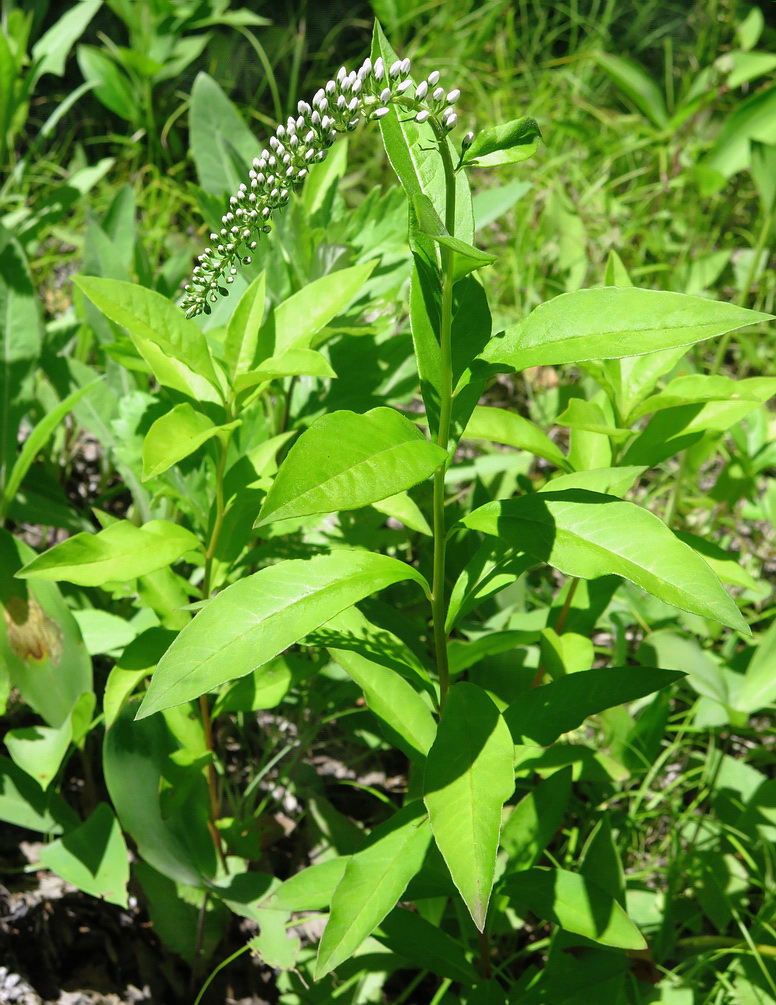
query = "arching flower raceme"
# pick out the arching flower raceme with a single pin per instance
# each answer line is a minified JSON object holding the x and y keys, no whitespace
{"x":295,"y":148}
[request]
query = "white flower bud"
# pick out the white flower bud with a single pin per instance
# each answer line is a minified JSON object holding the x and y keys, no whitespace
{"x":453,"y":96}
{"x":422,"y":115}
{"x":433,"y":78}
{"x":421,"y":90}
{"x":320,"y":95}
{"x":405,"y":65}
{"x":341,"y":101}
{"x":310,"y":137}
{"x":379,"y":68}
{"x":380,"y":112}
{"x":356,"y":88}
{"x":256,"y":163}
{"x":366,"y":66}
{"x":385,"y":95}
{"x":309,"y":155}
{"x":405,"y":85}
{"x":439,"y":93}
{"x":300,"y":123}
{"x":396,"y":68}
{"x":331,"y":87}
{"x":353,"y":104}
{"x":447,"y":111}
{"x":341,"y":74}
{"x":315,"y":118}
{"x":450,"y":121}
{"x":303,"y":108}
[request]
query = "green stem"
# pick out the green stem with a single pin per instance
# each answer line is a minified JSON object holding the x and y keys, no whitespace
{"x":438,"y":604}
{"x":743,"y":295}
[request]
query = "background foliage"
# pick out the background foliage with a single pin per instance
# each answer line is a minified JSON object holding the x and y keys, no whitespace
{"x":122,"y":127}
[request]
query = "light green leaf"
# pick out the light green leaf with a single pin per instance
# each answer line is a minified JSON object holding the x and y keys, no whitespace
{"x":752,"y":119}
{"x":404,"y":508}
{"x":469,"y":777}
{"x":575,"y":904}
{"x":589,"y":416}
{"x":508,"y":143}
{"x":544,"y":713}
{"x":491,"y":203}
{"x":758,"y":688}
{"x":291,"y":363}
{"x":138,"y":661}
{"x":750,"y":29}
{"x":588,"y":534}
{"x":414,"y":155}
{"x":533,"y":823}
{"x":151,"y":317}
{"x":135,"y":756}
{"x":373,"y":881}
{"x":467,"y":257}
{"x":492,"y":568}
{"x":221,"y":144}
{"x":52,"y":48}
{"x":176,"y":435}
{"x":612,"y":322}
{"x":257,"y":618}
{"x":407,"y":720}
{"x":501,"y":426}
{"x":111,"y":85}
{"x":346,"y":460}
{"x":116,"y":554}
{"x":611,"y":481}
{"x":24,"y":803}
{"x":102,"y":631}
{"x":699,"y":388}
{"x":295,"y":322}
{"x":242,"y":332}
{"x":725,"y":564}
{"x":40,"y":750}
{"x":637,"y":84}
{"x":308,"y":890}
{"x":35,"y":442}
{"x":93,"y":857}
{"x":427,"y":946}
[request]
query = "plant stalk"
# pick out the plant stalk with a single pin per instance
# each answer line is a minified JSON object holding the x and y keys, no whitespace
{"x":438,"y":604}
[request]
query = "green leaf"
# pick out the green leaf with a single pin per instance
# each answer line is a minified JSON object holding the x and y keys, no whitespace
{"x":40,"y":750}
{"x":414,"y":155}
{"x":111,"y":85}
{"x":508,"y":143}
{"x":373,"y":881}
{"x":758,"y":688}
{"x":501,"y":426}
{"x":612,"y":322}
{"x":40,"y":644}
{"x":134,"y":758}
{"x":346,"y":460}
{"x":150,"y":317}
{"x":52,"y":48}
{"x":575,"y":904}
{"x":494,"y":567}
{"x":93,"y":857}
{"x":544,"y":713}
{"x":587,"y":534}
{"x":137,"y":662}
{"x":404,"y":508}
{"x":257,"y":618}
{"x":116,"y":554}
{"x":295,"y":322}
{"x":616,"y":274}
{"x":725,"y":564}
{"x":611,"y":481}
{"x":24,"y":803}
{"x":430,"y":948}
{"x":532,"y":824}
{"x":701,"y":388}
{"x":35,"y":442}
{"x":308,"y":890}
{"x":221,"y":144}
{"x":637,"y":84}
{"x":405,"y":716}
{"x":175,"y":435}
{"x":242,"y":332}
{"x":752,"y":120}
{"x":750,"y":29}
{"x":589,"y":416}
{"x":469,"y":777}
{"x":467,"y":257}
{"x":491,"y":203}
{"x":291,"y":363}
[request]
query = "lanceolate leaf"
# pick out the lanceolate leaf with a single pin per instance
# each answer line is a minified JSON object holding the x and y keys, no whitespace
{"x":542,"y":714}
{"x":242,"y":333}
{"x":255,"y":619}
{"x":116,"y":554}
{"x":533,"y":822}
{"x":152,"y":317}
{"x":502,"y":426}
{"x":373,"y":881}
{"x":469,"y":777}
{"x":588,"y":534}
{"x":291,"y":363}
{"x":175,"y":435}
{"x":574,"y":903}
{"x":612,"y":322}
{"x":507,"y":143}
{"x":346,"y":460}
{"x":93,"y":857}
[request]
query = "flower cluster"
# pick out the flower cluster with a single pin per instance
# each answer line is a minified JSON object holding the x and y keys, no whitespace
{"x":296,"y":147}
